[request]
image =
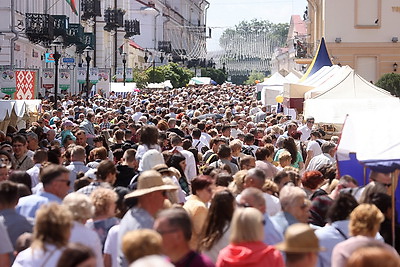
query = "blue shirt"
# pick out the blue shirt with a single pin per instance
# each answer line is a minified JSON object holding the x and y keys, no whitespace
{"x":27,"y":206}
{"x":136,"y":218}
{"x":271,"y":235}
{"x":329,"y":236}
{"x":282,"y":221}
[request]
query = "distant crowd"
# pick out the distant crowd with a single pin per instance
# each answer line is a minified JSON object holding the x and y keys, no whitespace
{"x":198,"y":176}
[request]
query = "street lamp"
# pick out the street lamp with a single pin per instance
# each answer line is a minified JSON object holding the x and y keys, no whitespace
{"x":88,"y":49}
{"x":124,"y":63}
{"x":57,"y":42}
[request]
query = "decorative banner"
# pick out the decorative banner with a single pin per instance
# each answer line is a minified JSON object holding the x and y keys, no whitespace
{"x":94,"y":75}
{"x":103,"y":86}
{"x":64,"y":79}
{"x":129,"y":75}
{"x":81,"y":74}
{"x":8,"y":82}
{"x":25,"y":85}
{"x":48,"y":78}
{"x":120,"y":74}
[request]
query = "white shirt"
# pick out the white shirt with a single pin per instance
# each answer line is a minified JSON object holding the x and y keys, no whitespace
{"x":111,"y":245}
{"x":190,"y":170}
{"x":205,"y":138}
{"x":321,"y":160}
{"x":198,"y":144}
{"x":305,"y":132}
{"x":34,"y":174}
{"x":82,"y":234}
{"x":272,"y":203}
{"x":37,"y":257}
{"x":314,"y":147}
{"x":136,"y":116}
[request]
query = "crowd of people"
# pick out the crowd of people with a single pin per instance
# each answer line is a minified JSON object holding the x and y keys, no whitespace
{"x":203,"y":176}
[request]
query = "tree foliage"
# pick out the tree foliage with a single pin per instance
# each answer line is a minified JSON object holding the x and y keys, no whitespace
{"x":216,"y":75}
{"x":255,"y":76}
{"x":390,"y":82}
{"x":179,"y":76}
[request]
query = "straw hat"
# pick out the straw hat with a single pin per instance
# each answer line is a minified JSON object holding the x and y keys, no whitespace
{"x":300,"y":238}
{"x":148,"y":182}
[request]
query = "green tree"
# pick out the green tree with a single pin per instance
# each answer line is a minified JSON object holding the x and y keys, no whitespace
{"x":390,"y":82}
{"x":140,"y":77}
{"x":155,"y":75}
{"x":254,"y":75}
{"x":216,"y":75}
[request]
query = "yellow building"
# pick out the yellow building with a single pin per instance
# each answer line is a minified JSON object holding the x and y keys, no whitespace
{"x":363,"y":34}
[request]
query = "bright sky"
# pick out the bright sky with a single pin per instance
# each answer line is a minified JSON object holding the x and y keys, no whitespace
{"x":228,"y":13}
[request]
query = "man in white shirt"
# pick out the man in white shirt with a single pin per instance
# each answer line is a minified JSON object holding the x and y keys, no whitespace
{"x":197,"y":143}
{"x":313,"y":147}
{"x":306,"y":129}
{"x":190,"y":170}
{"x":326,"y":158}
{"x":256,"y":178}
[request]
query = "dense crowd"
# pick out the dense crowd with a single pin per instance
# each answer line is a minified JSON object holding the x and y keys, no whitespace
{"x":200,"y":176}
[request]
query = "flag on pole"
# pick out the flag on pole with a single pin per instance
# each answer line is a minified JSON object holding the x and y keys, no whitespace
{"x":73,"y":6}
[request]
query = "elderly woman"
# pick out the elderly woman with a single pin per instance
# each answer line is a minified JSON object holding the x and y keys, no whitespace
{"x":365,"y":221}
{"x":196,"y":206}
{"x":82,"y":209}
{"x":246,"y":242}
{"x":104,"y":201}
{"x":295,"y":208}
{"x":50,"y":235}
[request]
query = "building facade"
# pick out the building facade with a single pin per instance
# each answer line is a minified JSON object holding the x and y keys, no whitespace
{"x":360,"y":33}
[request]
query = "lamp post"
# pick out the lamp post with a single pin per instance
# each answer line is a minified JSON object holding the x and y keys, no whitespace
{"x":124,"y":63}
{"x":57,"y":42}
{"x":88,"y":49}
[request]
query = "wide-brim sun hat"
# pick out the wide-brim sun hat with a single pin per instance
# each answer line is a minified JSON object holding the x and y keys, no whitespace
{"x":148,"y":182}
{"x":300,"y":238}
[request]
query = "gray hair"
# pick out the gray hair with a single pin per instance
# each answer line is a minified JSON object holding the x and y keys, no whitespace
{"x":289,"y":194}
{"x":80,"y":206}
{"x":256,"y":173}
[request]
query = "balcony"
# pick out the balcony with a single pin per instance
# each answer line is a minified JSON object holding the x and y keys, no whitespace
{"x":39,"y":27}
{"x":303,"y":52}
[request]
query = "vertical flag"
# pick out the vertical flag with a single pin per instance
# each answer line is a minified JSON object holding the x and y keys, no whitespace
{"x":73,"y":6}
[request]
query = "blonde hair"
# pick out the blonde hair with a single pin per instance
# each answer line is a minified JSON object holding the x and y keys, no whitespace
{"x":247,"y":226}
{"x":102,"y":199}
{"x":270,"y":187}
{"x":140,"y":243}
{"x":53,"y":226}
{"x":284,"y":155}
{"x":79,"y":205}
{"x":373,"y":257}
{"x":365,"y":220}
{"x":237,"y":185}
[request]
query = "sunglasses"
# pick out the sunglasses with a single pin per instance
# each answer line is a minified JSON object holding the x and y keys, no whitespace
{"x":164,"y":193}
{"x":244,"y":205}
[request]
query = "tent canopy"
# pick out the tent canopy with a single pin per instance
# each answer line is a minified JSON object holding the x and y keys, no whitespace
{"x":120,"y":88}
{"x":346,"y":83}
{"x":200,"y":80}
{"x":321,"y":59}
{"x":270,"y":88}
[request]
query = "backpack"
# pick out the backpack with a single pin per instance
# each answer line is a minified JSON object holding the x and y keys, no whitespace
{"x":248,"y":150}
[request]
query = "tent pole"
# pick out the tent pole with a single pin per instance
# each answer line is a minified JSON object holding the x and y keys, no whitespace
{"x":394,"y":183}
{"x":365,"y":175}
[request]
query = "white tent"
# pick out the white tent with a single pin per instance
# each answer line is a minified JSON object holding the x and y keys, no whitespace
{"x":292,"y":78}
{"x":271,"y":88}
{"x":344,"y":93}
{"x":359,"y":136}
{"x":200,"y":80}
{"x":120,"y":89}
{"x":17,"y":112}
